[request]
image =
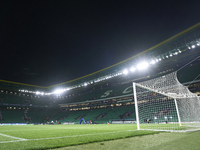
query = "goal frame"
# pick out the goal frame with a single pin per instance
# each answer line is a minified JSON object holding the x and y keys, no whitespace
{"x":136,"y":103}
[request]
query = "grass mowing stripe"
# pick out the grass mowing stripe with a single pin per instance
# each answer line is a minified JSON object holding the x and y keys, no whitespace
{"x":12,"y":137}
{"x":24,"y":130}
{"x":78,"y":135}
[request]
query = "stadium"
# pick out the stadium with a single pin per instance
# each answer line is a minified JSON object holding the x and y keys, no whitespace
{"x":106,"y":105}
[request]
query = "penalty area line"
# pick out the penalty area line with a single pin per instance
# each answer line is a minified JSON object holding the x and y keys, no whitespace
{"x":12,"y":141}
{"x":13,"y":137}
{"x":51,"y":138}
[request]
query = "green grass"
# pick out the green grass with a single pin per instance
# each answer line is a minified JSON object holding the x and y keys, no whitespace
{"x":103,"y":136}
{"x":54,"y":136}
{"x":160,"y":141}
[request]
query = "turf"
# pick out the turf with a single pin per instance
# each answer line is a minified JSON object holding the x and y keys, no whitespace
{"x":161,"y":141}
{"x":101,"y":137}
{"x":54,"y":136}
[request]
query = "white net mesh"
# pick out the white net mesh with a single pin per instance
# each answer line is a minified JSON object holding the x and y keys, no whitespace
{"x":165,"y":104}
{"x":169,"y":85}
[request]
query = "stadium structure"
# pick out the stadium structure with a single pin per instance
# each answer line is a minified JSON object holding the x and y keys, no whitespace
{"x":107,"y":96}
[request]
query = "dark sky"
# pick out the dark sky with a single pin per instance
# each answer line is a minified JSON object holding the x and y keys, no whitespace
{"x":49,"y":42}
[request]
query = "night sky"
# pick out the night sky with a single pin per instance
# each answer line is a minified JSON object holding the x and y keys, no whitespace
{"x":49,"y":42}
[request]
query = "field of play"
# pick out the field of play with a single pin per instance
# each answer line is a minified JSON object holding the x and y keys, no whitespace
{"x":56,"y":136}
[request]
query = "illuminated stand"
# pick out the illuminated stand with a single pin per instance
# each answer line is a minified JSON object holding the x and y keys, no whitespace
{"x":164,"y":103}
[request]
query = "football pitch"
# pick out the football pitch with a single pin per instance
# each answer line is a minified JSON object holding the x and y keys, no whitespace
{"x":71,"y":136}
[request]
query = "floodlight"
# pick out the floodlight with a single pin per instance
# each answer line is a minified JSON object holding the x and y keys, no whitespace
{"x":170,"y":55}
{"x":193,"y":46}
{"x":189,"y":47}
{"x":85,"y":84}
{"x":37,"y":93}
{"x":167,"y":56}
{"x":48,"y":93}
{"x":125,"y":71}
{"x":132,"y":69}
{"x":152,"y":62}
{"x":198,"y":44}
{"x":58,"y":91}
{"x":142,"y":66}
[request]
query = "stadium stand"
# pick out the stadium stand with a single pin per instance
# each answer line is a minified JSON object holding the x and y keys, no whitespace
{"x":10,"y":116}
{"x":106,"y":94}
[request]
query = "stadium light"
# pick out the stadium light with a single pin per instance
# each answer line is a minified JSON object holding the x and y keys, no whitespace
{"x":142,"y":66}
{"x":125,"y":71}
{"x":193,"y":46}
{"x":47,"y":93}
{"x":37,"y":93}
{"x":132,"y":69}
{"x":58,"y":91}
{"x":153,"y":62}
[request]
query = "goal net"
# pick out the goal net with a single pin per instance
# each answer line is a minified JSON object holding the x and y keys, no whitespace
{"x":164,"y":103}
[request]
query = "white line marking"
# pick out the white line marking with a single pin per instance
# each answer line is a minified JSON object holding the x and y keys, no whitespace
{"x":12,"y":141}
{"x":12,"y":137}
{"x":62,"y":137}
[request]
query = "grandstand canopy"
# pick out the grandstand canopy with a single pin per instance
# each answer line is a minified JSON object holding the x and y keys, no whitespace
{"x":67,"y":43}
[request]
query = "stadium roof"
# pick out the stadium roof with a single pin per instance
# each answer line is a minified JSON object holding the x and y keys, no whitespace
{"x":181,"y":41}
{"x":46,"y":43}
{"x":178,"y":43}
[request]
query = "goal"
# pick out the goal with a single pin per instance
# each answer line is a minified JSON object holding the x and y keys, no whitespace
{"x":164,"y":103}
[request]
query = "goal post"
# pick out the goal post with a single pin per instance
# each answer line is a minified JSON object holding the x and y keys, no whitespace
{"x":155,"y":110}
{"x":178,"y":115}
{"x":136,"y":106}
{"x":164,"y":103}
